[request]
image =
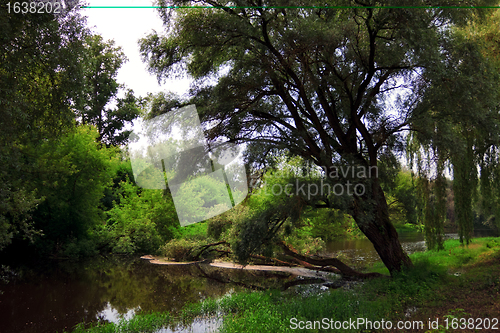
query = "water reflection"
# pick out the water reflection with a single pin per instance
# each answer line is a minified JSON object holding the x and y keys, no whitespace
{"x":360,"y":253}
{"x":58,"y":297}
{"x":112,"y":315}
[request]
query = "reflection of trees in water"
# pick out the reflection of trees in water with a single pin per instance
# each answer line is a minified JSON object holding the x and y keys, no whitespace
{"x":255,"y":279}
{"x":74,"y":292}
{"x":149,"y":287}
{"x":248,"y":279}
{"x":51,"y":300}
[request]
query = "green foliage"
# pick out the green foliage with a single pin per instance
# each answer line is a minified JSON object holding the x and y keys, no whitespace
{"x":305,"y":244}
{"x":102,"y":62}
{"x":207,"y":193}
{"x":459,"y":133}
{"x":140,"y":222}
{"x":80,"y":248}
{"x":455,"y":255}
{"x":402,"y":200}
{"x":486,"y":33}
{"x":123,"y":172}
{"x":161,"y":103}
{"x":430,"y":191}
{"x":306,"y":227}
{"x":317,"y":83}
{"x":258,"y":230}
{"x":72,"y":173}
{"x":465,"y":185}
{"x":40,"y":82}
{"x":271,"y":311}
{"x":145,"y":323}
{"x":330,"y":224}
{"x":411,"y":287}
{"x":388,"y":298}
{"x":217,"y":226}
{"x":16,"y":207}
{"x":196,"y":231}
{"x":52,"y":174}
{"x":179,"y":249}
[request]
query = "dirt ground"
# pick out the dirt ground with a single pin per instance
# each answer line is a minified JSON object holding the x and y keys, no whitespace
{"x":474,"y":295}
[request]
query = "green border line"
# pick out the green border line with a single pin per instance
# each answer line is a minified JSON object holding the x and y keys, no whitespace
{"x":298,"y":7}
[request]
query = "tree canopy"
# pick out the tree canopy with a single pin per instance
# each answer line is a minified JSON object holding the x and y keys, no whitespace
{"x":101,"y":65}
{"x":40,"y":82}
{"x":335,"y":86}
{"x":52,"y":172}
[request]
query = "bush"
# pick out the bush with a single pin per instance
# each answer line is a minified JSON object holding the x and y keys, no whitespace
{"x":179,"y":249}
{"x":79,"y":248}
{"x":217,"y":226}
{"x":141,"y":222}
{"x":73,"y":173}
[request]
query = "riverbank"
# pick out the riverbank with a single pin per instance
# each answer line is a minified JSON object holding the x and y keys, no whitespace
{"x":450,"y":284}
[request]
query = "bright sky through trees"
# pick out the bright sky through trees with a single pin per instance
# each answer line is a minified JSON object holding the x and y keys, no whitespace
{"x":126,"y":26}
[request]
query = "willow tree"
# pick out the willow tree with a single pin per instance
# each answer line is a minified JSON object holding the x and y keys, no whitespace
{"x":335,"y":86}
{"x":487,"y":35}
{"x":457,"y":130}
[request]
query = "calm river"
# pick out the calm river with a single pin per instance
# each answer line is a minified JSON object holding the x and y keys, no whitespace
{"x":57,"y":297}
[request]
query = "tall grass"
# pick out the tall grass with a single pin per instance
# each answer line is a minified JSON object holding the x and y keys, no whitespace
{"x":273,"y":311}
{"x":144,"y":323}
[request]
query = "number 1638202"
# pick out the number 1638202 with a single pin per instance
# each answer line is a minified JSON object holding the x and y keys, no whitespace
{"x":34,"y":7}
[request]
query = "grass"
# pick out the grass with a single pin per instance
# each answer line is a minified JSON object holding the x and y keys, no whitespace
{"x":145,"y":323}
{"x":431,"y":289}
{"x":454,"y":255}
{"x":196,"y":231}
{"x":455,"y":283}
{"x":272,"y":311}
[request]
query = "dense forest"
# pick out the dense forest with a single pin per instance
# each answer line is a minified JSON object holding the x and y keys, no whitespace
{"x":304,"y":124}
{"x":411,"y":95}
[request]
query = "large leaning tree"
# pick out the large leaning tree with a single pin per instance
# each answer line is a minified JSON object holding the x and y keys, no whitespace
{"x":335,"y":86}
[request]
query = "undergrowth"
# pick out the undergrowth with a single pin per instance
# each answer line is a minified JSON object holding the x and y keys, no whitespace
{"x":434,"y":276}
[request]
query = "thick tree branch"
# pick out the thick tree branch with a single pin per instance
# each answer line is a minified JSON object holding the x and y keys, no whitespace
{"x":340,"y":267}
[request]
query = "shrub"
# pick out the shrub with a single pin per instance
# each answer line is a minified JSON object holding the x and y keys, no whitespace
{"x":141,"y":221}
{"x":179,"y":249}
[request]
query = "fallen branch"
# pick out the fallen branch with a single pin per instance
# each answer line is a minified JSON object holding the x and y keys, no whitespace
{"x":281,"y":262}
{"x":206,"y":247}
{"x":316,"y":268}
{"x":313,"y":263}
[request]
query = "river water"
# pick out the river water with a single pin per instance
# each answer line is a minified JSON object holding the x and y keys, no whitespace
{"x":59,"y":296}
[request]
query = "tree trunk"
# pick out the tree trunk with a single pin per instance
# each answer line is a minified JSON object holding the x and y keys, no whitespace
{"x":372,"y":217}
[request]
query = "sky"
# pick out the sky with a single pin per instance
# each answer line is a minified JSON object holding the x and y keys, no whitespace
{"x":126,"y":26}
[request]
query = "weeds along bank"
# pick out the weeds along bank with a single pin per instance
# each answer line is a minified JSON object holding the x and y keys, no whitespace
{"x":443,"y":287}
